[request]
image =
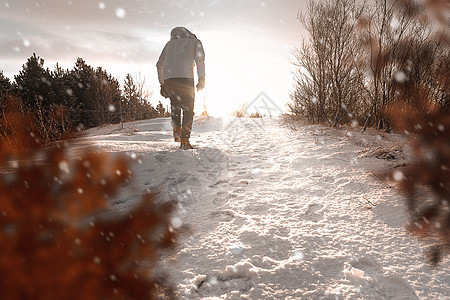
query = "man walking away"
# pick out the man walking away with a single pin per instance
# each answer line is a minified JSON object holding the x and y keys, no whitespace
{"x":176,"y":76}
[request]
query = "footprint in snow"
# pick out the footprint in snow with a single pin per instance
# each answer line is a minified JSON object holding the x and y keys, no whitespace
{"x":239,"y":183}
{"x":219,"y":183}
{"x":223,"y":215}
{"x":220,"y":201}
{"x":269,"y":245}
{"x":177,"y":178}
{"x":213,"y":286}
{"x":314,"y":212}
{"x":162,"y":156}
{"x":313,"y":208}
{"x":243,"y":172}
{"x":328,"y":179}
{"x":376,"y":282}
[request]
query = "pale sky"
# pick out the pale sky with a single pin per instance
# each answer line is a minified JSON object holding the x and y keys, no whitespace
{"x":248,"y":43}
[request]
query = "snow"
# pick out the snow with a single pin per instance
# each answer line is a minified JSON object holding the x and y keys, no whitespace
{"x":273,"y":209}
{"x":120,"y":13}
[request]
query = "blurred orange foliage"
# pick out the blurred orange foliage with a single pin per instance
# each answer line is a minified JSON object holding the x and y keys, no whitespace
{"x":58,"y":237}
{"x":426,"y":182}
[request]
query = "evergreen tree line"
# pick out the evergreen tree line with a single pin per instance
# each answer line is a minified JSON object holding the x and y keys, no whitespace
{"x":63,"y":100}
{"x":358,"y":55}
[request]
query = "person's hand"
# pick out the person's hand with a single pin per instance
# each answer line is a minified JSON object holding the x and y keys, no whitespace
{"x":164,"y":91}
{"x":201,"y":84}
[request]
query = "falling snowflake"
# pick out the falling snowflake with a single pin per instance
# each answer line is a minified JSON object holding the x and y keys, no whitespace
{"x":395,"y":23}
{"x":176,"y":223}
{"x":236,"y":250}
{"x":101,"y":5}
{"x":121,"y":13}
{"x":298,"y":255}
{"x":64,"y":166}
{"x":398,"y":176}
{"x":213,"y":281}
{"x":400,"y":77}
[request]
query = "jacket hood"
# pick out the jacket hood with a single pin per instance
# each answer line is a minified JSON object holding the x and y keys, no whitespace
{"x":181,"y":32}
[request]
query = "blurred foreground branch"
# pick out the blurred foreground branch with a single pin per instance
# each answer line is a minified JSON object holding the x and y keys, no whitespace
{"x":426,"y":118}
{"x":56,"y":240}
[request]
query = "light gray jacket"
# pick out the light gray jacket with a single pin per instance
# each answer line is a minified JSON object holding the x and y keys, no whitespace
{"x":179,"y":56}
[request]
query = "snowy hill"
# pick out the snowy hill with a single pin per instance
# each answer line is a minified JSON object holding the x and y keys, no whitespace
{"x":271,"y":212}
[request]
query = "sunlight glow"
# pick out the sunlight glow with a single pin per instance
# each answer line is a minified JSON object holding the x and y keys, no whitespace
{"x":236,"y":75}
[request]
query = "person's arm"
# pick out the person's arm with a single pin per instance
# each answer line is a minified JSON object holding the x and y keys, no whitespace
{"x":160,"y":66}
{"x":200,"y":62}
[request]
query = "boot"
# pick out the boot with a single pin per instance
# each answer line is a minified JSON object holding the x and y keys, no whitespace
{"x":177,"y":133}
{"x":185,"y":145}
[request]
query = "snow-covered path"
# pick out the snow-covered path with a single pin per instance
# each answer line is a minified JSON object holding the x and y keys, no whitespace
{"x":268,"y":212}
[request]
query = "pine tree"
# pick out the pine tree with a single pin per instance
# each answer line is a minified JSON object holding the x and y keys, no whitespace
{"x":5,"y":84}
{"x":34,"y":83}
{"x":106,"y":95}
{"x":5,"y":90}
{"x":60,"y":87}
{"x":160,"y":109}
{"x":130,"y":99}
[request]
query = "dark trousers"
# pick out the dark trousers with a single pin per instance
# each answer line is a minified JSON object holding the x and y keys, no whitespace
{"x":182,"y":96}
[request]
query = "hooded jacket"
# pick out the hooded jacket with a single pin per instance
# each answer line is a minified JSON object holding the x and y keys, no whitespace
{"x":179,"y":56}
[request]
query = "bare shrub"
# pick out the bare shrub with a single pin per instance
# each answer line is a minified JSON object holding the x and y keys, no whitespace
{"x":256,"y":115}
{"x":240,"y":112}
{"x":328,"y":81}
